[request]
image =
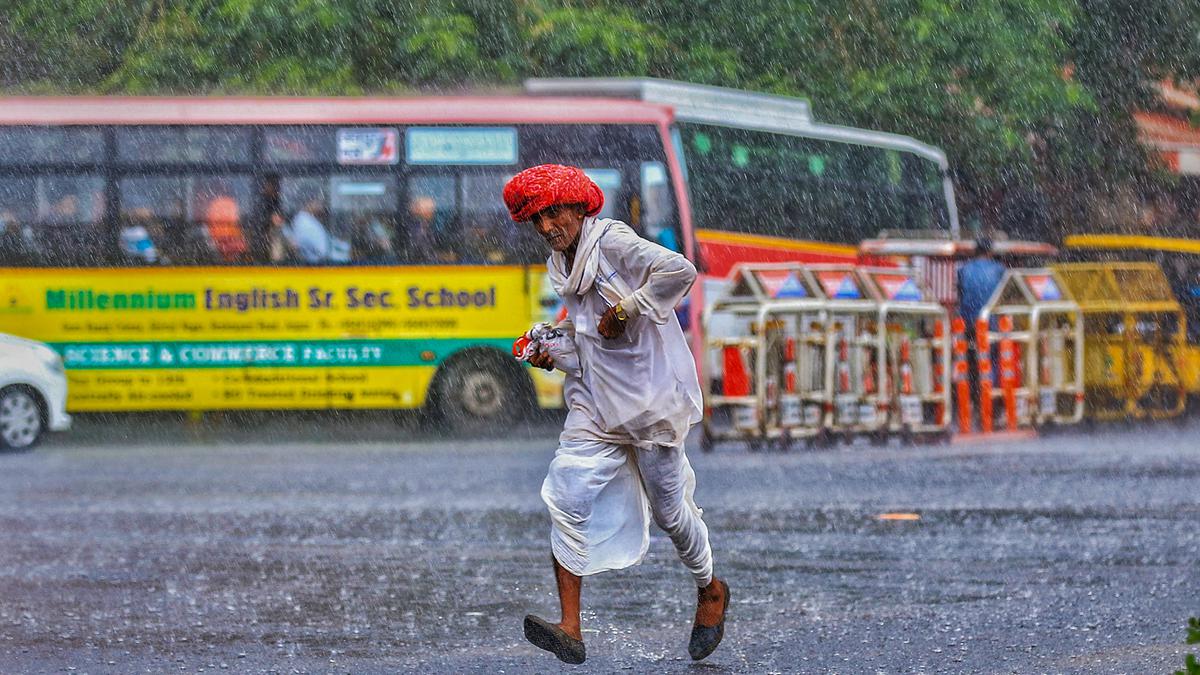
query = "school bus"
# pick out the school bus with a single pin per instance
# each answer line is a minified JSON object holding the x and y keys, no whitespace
{"x":284,"y":253}
{"x":289,"y":253}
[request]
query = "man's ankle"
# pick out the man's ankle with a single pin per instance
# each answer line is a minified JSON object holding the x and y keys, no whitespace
{"x":572,"y":629}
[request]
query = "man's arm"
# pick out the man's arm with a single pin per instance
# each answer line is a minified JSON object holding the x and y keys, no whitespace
{"x":666,"y":275}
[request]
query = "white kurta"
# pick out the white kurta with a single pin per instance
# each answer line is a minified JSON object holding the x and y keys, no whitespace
{"x":631,"y":401}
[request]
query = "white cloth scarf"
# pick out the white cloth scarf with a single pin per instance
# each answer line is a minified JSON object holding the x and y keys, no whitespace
{"x":586,"y":264}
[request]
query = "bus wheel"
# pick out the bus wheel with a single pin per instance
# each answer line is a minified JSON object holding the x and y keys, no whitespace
{"x":22,"y":418}
{"x":480,"y":390}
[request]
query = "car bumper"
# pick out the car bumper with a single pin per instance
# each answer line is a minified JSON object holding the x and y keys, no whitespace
{"x":56,"y":399}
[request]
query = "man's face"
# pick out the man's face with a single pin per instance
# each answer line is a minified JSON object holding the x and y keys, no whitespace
{"x":559,"y":225}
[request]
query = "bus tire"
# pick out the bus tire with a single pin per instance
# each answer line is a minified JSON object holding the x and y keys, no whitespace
{"x":480,"y":390}
{"x":23,"y":418}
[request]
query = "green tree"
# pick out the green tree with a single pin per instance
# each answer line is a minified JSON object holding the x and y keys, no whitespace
{"x":1028,"y":97}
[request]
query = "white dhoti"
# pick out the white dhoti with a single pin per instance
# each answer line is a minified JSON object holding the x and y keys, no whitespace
{"x":602,"y":497}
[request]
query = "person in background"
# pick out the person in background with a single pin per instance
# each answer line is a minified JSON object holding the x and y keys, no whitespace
{"x":16,"y":241}
{"x":371,"y":239}
{"x":139,"y":229}
{"x":306,"y":235}
{"x":425,"y":242}
{"x":977,"y":279}
{"x":224,"y":221}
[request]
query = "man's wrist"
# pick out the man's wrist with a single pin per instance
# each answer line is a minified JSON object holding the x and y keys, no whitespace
{"x":629,"y":308}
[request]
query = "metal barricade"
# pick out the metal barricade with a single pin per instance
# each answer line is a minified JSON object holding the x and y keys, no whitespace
{"x":825,"y":351}
{"x":1134,"y":340}
{"x":768,"y":379}
{"x":1037,"y":332}
{"x":856,"y":358}
{"x":914,"y":354}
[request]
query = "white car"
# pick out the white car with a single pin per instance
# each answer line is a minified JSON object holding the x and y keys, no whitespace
{"x":33,"y":392}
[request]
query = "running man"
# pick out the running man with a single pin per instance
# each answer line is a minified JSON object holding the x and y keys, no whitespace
{"x":632,"y":395}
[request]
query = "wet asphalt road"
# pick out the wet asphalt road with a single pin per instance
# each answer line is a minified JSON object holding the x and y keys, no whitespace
{"x":356,"y":544}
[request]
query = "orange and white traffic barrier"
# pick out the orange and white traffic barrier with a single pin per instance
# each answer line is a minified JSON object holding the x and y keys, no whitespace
{"x":962,"y":383}
{"x":1009,"y":378}
{"x":789,"y":365}
{"x":737,"y":382}
{"x":983,"y":351}
{"x":843,"y":363}
{"x":939,"y":333}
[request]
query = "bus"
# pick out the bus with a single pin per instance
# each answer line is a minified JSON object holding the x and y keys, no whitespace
{"x":765,"y":182}
{"x":297,"y":253}
{"x":768,"y":183}
{"x":290,"y":253}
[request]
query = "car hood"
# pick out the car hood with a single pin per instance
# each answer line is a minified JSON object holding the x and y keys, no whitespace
{"x":7,"y":340}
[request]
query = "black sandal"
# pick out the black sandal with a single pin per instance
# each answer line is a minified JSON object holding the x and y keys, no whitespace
{"x":553,"y":639}
{"x":706,"y":638}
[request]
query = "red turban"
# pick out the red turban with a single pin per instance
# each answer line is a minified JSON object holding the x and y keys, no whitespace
{"x":538,"y":188}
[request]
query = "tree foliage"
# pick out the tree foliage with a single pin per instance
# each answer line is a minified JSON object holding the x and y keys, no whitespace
{"x":1026,"y":96}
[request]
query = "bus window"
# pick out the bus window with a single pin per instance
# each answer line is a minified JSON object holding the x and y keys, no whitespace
{"x":61,"y":145}
{"x":488,"y":233}
{"x":364,"y":216}
{"x":219,"y":207}
{"x":152,"y":218}
{"x":305,"y":200}
{"x":805,"y":188}
{"x":610,"y":183}
{"x":70,"y":214}
{"x":18,"y":211}
{"x":290,"y":145}
{"x":191,"y":145}
{"x":657,"y":214}
{"x":429,"y":236}
{"x":185,"y":220}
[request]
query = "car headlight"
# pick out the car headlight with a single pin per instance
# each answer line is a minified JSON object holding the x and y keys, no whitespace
{"x":51,"y":359}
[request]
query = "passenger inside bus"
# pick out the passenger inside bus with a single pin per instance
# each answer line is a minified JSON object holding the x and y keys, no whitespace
{"x":223,"y":222}
{"x":371,"y":239}
{"x":306,"y":234}
{"x":71,"y":230}
{"x":139,"y":232}
{"x":426,"y":239}
{"x":16,"y":240}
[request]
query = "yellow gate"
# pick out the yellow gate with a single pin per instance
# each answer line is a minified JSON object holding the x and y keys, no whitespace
{"x":1135,"y":339}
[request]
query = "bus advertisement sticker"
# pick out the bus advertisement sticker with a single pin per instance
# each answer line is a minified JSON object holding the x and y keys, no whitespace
{"x":368,"y":146}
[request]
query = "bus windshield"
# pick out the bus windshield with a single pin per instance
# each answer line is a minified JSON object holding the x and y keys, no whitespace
{"x":782,"y":185}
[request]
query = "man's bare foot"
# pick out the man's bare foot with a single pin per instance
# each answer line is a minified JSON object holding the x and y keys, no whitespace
{"x":710,"y":605}
{"x":709,"y":628}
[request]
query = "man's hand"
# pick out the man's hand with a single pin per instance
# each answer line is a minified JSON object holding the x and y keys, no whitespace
{"x":610,"y":326}
{"x":541,"y":359}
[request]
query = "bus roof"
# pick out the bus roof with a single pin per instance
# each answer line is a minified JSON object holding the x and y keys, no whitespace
{"x":732,"y":108}
{"x":47,"y":110}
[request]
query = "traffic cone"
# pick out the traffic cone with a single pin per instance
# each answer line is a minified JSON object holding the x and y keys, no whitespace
{"x":737,"y":379}
{"x":962,"y":384}
{"x":789,"y":365}
{"x":984,"y":360}
{"x":939,"y":332}
{"x":1008,"y":372}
